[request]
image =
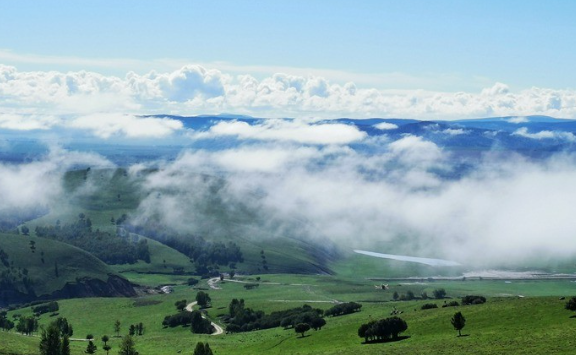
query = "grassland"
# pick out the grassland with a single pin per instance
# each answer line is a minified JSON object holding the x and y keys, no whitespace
{"x":504,"y":325}
{"x":41,"y":264}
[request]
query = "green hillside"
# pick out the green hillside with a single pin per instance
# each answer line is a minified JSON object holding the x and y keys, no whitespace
{"x":43,"y":266}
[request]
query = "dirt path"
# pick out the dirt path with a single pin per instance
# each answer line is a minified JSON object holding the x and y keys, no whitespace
{"x":219,"y":330}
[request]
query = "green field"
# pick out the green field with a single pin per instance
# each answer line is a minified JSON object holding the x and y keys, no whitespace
{"x":533,"y":324}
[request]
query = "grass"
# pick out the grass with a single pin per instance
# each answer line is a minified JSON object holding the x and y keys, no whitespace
{"x":504,"y":325}
{"x":72,"y":262}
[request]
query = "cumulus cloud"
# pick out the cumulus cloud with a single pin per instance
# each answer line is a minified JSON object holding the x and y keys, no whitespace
{"x":194,"y":89}
{"x":386,"y":126}
{"x":108,"y":125}
{"x":567,"y":136}
{"x":287,"y":131}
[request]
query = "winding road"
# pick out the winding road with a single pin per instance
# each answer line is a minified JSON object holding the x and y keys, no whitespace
{"x":219,"y":330}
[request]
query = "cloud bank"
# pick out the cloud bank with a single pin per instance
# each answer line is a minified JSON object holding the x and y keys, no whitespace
{"x":194,"y":89}
{"x":507,"y":209}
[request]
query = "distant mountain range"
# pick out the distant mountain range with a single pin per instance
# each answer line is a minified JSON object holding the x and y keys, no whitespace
{"x":533,"y":136}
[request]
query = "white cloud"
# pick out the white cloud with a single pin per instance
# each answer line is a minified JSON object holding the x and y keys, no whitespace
{"x":518,"y":120}
{"x":455,"y":131}
{"x":386,"y":126}
{"x":545,"y":134}
{"x":27,"y":122}
{"x":288,"y":131}
{"x":194,"y":89}
{"x":108,"y":125}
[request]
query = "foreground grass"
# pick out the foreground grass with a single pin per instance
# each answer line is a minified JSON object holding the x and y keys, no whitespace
{"x":504,"y":325}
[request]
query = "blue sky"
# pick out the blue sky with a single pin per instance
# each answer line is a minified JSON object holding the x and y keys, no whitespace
{"x":446,"y":45}
{"x":421,"y":59}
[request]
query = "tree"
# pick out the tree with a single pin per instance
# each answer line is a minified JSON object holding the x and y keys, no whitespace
{"x":202,"y":349}
{"x":318,"y":323}
{"x":132,"y":329}
{"x":90,"y":348}
{"x":203,"y":299}
{"x":571,"y":304}
{"x":424,"y":295}
{"x":409,"y":295}
{"x":107,"y":348}
{"x":50,"y":343}
{"x":458,"y":322}
{"x":180,"y":305}
{"x":396,"y":326}
{"x":302,"y":328}
{"x":89,"y":336}
{"x":25,"y":230}
{"x":117,"y":327}
{"x":65,"y":348}
{"x":105,"y":339}
{"x":439,"y":293}
{"x":127,"y":347}
{"x":395,"y":296}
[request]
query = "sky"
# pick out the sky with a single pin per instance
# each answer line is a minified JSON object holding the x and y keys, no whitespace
{"x":406,"y":51}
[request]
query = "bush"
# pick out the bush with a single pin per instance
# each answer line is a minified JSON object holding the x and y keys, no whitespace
{"x":439,"y":293}
{"x":382,"y":329}
{"x":470,"y":300}
{"x":429,"y":306}
{"x":46,"y":308}
{"x":451,"y":304}
{"x":343,"y":308}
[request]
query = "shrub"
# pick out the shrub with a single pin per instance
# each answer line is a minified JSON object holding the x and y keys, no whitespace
{"x":429,"y":306}
{"x":470,"y":300}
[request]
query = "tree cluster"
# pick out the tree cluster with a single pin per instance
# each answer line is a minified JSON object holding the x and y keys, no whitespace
{"x":53,"y":342}
{"x":5,"y":323}
{"x":382,"y":330}
{"x":429,"y":306}
{"x":198,"y":325}
{"x":111,"y":249}
{"x":27,"y":325}
{"x":46,"y":308}
{"x":470,"y":300}
{"x":243,"y":319}
{"x":207,"y":256}
{"x":343,"y":308}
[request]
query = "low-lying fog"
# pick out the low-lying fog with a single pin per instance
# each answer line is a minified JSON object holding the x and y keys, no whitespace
{"x":504,"y":208}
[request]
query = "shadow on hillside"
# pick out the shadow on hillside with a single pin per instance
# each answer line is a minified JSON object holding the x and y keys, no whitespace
{"x":386,"y":340}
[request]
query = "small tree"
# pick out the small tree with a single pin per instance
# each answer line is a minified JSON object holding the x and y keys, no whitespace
{"x":439,"y":293}
{"x":571,"y":304}
{"x":65,"y":348}
{"x":89,"y":337}
{"x":203,"y":299}
{"x":105,"y":339}
{"x":117,"y":327}
{"x":202,"y":349}
{"x":302,"y":328}
{"x":50,"y":343}
{"x":395,"y":296}
{"x":107,"y":348}
{"x":409,"y":295}
{"x":90,"y":348}
{"x":25,"y":230}
{"x":127,"y":346}
{"x":458,"y":322}
{"x":318,"y":323}
{"x":424,"y":295}
{"x":180,"y":305}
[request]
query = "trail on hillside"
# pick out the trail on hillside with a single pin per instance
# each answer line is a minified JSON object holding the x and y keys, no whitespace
{"x":219,"y":329}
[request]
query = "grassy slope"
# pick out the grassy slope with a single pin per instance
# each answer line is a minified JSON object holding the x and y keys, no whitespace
{"x":72,"y":262}
{"x":501,"y":326}
{"x":97,"y":197}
